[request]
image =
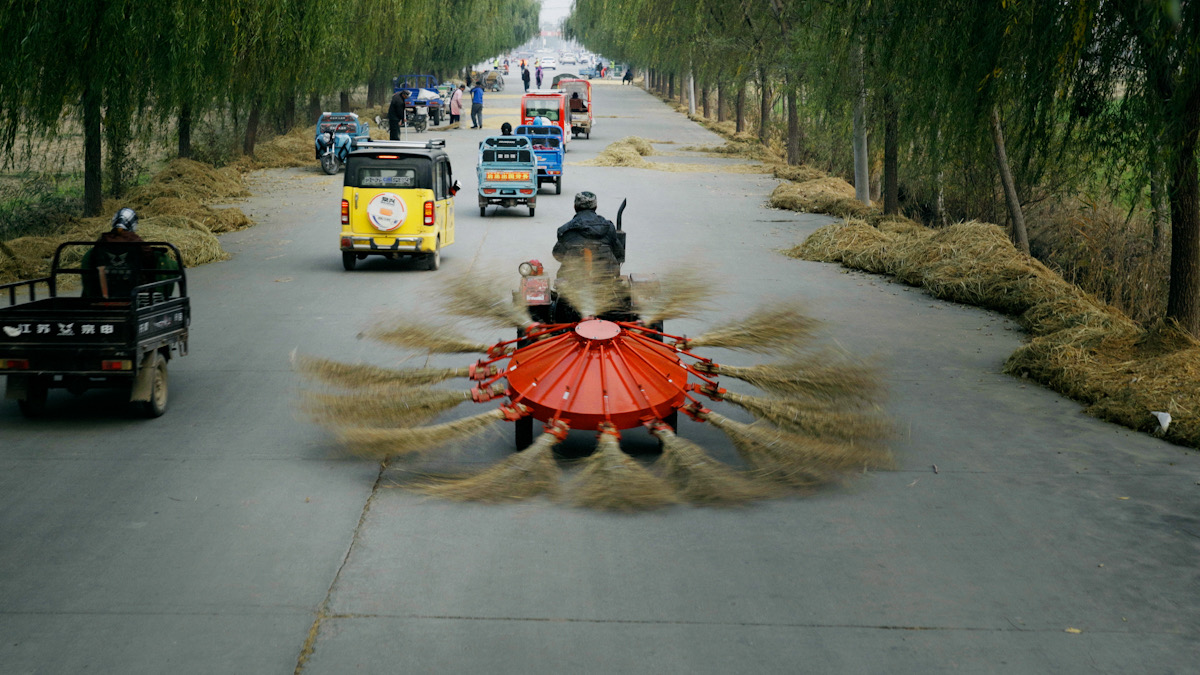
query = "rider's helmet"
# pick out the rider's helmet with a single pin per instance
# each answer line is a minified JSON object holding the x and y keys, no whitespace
{"x":585,"y":201}
{"x":125,"y":219}
{"x":506,"y":129}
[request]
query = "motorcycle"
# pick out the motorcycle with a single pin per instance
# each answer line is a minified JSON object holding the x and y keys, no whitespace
{"x":337,"y":135}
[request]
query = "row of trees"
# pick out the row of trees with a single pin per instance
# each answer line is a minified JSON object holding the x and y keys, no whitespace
{"x":109,"y":62}
{"x":1050,"y":94}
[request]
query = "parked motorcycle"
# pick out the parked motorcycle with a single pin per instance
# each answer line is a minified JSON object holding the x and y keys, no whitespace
{"x":337,"y":135}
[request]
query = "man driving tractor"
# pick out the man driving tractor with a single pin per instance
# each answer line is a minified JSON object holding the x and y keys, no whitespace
{"x":588,"y":243}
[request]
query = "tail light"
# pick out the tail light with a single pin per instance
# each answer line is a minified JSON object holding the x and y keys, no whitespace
{"x":116,"y":365}
{"x":14,"y":364}
{"x":345,"y":212}
{"x":347,"y":242}
{"x":430,"y":216}
{"x":526,"y":192}
{"x":489,"y":191}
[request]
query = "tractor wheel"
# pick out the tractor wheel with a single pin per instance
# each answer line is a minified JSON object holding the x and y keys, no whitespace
{"x":329,"y":163}
{"x":433,"y":261}
{"x":558,"y":185}
{"x":587,"y":134}
{"x":524,"y":431}
{"x":34,"y":403}
{"x":157,"y":405}
{"x":348,"y":260}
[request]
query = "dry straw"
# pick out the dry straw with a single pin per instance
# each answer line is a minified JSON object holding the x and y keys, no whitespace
{"x":766,"y":330}
{"x":590,"y":293}
{"x":355,"y":375}
{"x":797,"y":459}
{"x":815,"y":418}
{"x":473,"y":295}
{"x":679,"y":293}
{"x":822,"y":377}
{"x":613,"y":481}
{"x":425,"y":337}
{"x":700,"y":479}
{"x":386,"y":406}
{"x":405,"y":442}
{"x":1080,"y":346}
{"x":523,"y":475}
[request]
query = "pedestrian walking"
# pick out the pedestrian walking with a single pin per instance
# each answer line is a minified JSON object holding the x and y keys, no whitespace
{"x":456,"y":104}
{"x":628,"y":79}
{"x":539,"y":77}
{"x":525,"y":77}
{"x":477,"y":106}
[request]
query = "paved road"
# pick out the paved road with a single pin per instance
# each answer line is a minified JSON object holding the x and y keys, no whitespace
{"x":229,"y":535}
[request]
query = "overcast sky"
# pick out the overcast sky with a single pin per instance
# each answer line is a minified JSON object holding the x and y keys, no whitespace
{"x":554,"y":11}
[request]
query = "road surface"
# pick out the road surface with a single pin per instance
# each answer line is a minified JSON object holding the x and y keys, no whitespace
{"x":231,"y":536}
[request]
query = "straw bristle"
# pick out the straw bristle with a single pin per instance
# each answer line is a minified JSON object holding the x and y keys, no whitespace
{"x":613,"y":481}
{"x":425,"y":337}
{"x":381,"y":443}
{"x":354,"y":375}
{"x":803,"y":416}
{"x":700,"y":479}
{"x":794,"y":459}
{"x":764,"y":331}
{"x":680,"y":293}
{"x":473,"y":295}
{"x":590,"y":294}
{"x":525,"y":474}
{"x":382,"y":406}
{"x":821,"y":377}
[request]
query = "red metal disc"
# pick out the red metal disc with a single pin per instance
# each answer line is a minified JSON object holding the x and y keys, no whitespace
{"x":598,"y":372}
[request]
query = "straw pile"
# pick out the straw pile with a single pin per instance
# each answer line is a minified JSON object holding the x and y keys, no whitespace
{"x":820,"y":195}
{"x":626,"y":152}
{"x":293,"y":149}
{"x":1080,"y":347}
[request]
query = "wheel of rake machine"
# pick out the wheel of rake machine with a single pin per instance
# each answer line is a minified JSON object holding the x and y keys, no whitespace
{"x":157,"y":405}
{"x":34,"y":403}
{"x":329,"y":163}
{"x":558,"y":185}
{"x":348,"y":260}
{"x":433,"y":261}
{"x":658,"y":326}
{"x":523,"y":429}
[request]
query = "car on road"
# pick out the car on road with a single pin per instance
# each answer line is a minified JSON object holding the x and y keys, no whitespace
{"x":549,"y":64}
{"x":398,"y":202}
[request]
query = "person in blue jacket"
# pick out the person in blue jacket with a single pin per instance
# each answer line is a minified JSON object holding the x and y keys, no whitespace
{"x":477,"y":105}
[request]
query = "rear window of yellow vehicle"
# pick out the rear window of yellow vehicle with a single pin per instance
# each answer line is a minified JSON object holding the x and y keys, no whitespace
{"x":369,"y":172}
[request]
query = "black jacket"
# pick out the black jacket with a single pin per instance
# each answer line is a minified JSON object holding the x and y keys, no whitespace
{"x":396,"y":109}
{"x":592,"y":231}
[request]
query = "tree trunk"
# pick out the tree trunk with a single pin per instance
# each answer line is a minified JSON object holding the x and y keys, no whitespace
{"x":185,"y":131}
{"x":891,"y":156}
{"x":741,"y":107}
{"x":93,"y":198}
{"x":720,"y":102}
{"x":1160,"y":206}
{"x":314,"y":107}
{"x":1019,"y":236}
{"x":793,"y":122}
{"x":671,"y":86}
{"x":704,"y":101}
{"x":116,"y":135}
{"x":252,"y":128}
{"x":289,"y":113}
{"x":345,"y":102}
{"x":1183,"y":295}
{"x":862,"y":172}
{"x":372,"y":91}
{"x":691,"y":94}
{"x":764,"y":108}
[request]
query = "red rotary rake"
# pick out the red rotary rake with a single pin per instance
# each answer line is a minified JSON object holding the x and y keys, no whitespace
{"x":816,"y":422}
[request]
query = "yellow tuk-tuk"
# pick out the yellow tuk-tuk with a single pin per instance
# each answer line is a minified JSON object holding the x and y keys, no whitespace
{"x":579,"y":102}
{"x":398,"y":201}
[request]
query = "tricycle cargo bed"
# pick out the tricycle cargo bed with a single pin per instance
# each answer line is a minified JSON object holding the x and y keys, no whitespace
{"x":84,"y":322}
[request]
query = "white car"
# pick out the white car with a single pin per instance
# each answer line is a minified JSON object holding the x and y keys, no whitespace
{"x":549,"y":64}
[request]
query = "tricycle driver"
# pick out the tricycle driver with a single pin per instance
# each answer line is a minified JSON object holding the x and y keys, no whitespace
{"x":588,"y":243}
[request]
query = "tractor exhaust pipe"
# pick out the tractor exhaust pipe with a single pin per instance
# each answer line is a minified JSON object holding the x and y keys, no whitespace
{"x":620,"y":232}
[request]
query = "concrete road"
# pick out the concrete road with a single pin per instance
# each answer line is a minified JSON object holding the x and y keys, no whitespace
{"x":230,"y":536}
